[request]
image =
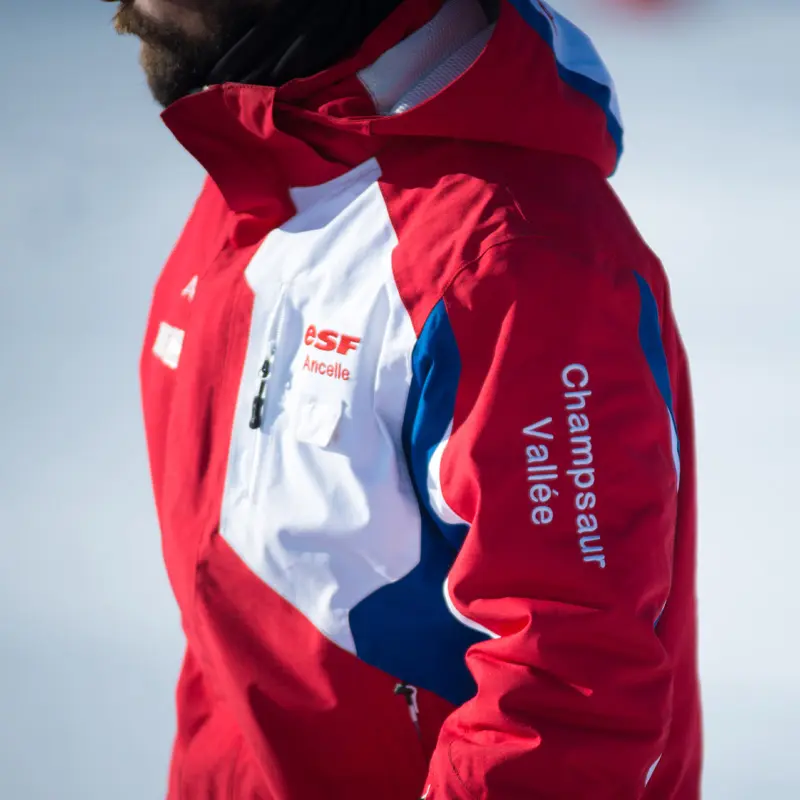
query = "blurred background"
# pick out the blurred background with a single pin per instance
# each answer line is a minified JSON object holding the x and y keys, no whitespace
{"x":94,"y":191}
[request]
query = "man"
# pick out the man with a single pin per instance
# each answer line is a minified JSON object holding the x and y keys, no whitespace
{"x":418,"y":413}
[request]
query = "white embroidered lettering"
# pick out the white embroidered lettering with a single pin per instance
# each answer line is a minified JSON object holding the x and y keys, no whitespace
{"x":540,"y":472}
{"x":582,"y":471}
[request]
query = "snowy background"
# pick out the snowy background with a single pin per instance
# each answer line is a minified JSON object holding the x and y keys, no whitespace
{"x":93,"y":192}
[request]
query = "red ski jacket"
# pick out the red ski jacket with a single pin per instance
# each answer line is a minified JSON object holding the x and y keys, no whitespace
{"x":420,"y":431}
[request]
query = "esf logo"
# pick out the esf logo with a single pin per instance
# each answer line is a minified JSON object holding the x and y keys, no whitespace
{"x":329,"y":341}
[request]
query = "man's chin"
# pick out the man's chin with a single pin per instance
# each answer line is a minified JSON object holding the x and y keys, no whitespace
{"x":173,"y":61}
{"x":176,"y":60}
{"x":168,"y":76}
{"x":130,"y":21}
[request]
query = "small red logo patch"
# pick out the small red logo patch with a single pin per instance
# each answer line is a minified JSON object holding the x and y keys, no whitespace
{"x":328,"y":340}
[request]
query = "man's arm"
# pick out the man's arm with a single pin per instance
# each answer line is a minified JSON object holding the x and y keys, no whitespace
{"x":563,"y":461}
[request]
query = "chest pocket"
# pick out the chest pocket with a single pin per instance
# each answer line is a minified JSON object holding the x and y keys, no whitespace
{"x":317,"y":422}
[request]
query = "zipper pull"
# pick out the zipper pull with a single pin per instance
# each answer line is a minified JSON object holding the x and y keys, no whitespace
{"x":257,"y":414}
{"x":410,"y":694}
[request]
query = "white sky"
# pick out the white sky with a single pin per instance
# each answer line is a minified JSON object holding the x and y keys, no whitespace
{"x":93,"y":193}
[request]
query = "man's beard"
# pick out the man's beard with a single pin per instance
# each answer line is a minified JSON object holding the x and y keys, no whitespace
{"x":176,"y":63}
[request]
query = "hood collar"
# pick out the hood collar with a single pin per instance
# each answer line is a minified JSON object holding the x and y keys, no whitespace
{"x":256,"y":142}
{"x":530,"y":80}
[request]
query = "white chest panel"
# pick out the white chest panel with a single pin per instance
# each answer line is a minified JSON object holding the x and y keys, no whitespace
{"x":318,"y":501}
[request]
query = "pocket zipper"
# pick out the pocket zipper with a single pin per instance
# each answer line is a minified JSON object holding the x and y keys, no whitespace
{"x":260,"y":399}
{"x":410,"y":695}
{"x":258,"y":407}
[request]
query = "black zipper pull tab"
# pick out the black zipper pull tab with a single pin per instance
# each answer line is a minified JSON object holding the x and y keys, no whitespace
{"x":257,"y":414}
{"x":410,"y":695}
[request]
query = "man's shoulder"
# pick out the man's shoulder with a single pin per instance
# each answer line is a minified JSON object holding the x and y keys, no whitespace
{"x":458,"y":207}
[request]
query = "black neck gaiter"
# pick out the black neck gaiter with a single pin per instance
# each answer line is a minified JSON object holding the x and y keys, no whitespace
{"x":298,"y":39}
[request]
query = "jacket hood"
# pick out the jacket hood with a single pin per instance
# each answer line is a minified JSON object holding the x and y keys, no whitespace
{"x":524,"y":77}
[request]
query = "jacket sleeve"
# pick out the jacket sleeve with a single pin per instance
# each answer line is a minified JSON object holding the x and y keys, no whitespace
{"x":563,"y":461}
